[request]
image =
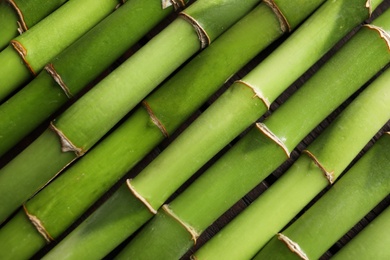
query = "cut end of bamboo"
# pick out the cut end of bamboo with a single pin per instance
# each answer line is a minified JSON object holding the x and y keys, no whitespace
{"x":284,"y":24}
{"x":293,"y":246}
{"x":155,"y":120}
{"x":382,"y":33}
{"x":177,"y":4}
{"x":257,"y":93}
{"x":140,"y":197}
{"x":202,"y":34}
{"x":22,"y":51}
{"x":66,"y":144}
{"x":264,"y":129}
{"x":194,"y":234}
{"x":38,"y":225}
{"x":328,"y":174}
{"x":22,"y":26}
{"x":57,"y":78}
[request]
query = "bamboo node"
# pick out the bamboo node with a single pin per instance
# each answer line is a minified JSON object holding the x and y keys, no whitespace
{"x":19,"y":48}
{"x":264,"y":129}
{"x":66,"y":144}
{"x":293,"y":246}
{"x":257,"y":93}
{"x":154,"y":119}
{"x":140,"y":197}
{"x":177,"y":4}
{"x":194,"y":234}
{"x":284,"y":24}
{"x":202,"y":34}
{"x":57,"y":78}
{"x":22,"y":23}
{"x":329,"y":175}
{"x":382,"y":33}
{"x":38,"y":225}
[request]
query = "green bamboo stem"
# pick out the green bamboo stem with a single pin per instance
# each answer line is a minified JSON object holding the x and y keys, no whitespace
{"x":371,"y":243}
{"x":255,"y":31}
{"x":207,"y":201}
{"x":86,"y":121}
{"x":350,"y":199}
{"x":335,"y":148}
{"x":9,"y":24}
{"x":28,"y":108}
{"x":28,"y":53}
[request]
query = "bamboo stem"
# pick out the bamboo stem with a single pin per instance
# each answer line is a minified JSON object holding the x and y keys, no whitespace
{"x":352,"y":197}
{"x":9,"y":25}
{"x":59,"y":30}
{"x":40,"y":98}
{"x":371,"y":243}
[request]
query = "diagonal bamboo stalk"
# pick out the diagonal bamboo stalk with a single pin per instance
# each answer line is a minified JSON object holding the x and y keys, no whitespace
{"x":371,"y":243}
{"x":350,"y":199}
{"x":61,"y":79}
{"x":17,"y":16}
{"x":89,"y":180}
{"x":87,"y":120}
{"x":257,"y":154}
{"x":28,"y":53}
{"x":102,"y":216}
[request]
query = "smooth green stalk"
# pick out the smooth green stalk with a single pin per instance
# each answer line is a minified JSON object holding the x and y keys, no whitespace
{"x":87,"y":120}
{"x":371,"y":243}
{"x":28,"y":108}
{"x":38,"y":45}
{"x":341,"y":76}
{"x":9,"y":24}
{"x":349,"y":200}
{"x":335,"y":148}
{"x":222,"y":58}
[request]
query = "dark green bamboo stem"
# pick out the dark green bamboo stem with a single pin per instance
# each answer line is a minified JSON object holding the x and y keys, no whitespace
{"x":350,"y":199}
{"x":9,"y":24}
{"x":89,"y":179}
{"x":371,"y":243}
{"x":110,"y":38}
{"x":29,"y":53}
{"x":86,"y":121}
{"x":207,"y":201}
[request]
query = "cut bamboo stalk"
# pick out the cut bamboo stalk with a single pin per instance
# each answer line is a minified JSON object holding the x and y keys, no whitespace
{"x":61,"y":79}
{"x":350,"y":199}
{"x":87,"y":120}
{"x":257,"y":155}
{"x":28,"y":53}
{"x":89,"y":180}
{"x":81,"y":235}
{"x":371,"y":243}
{"x":327,"y":156}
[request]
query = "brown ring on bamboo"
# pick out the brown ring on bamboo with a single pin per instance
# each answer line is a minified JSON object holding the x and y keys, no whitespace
{"x":57,"y":78}
{"x":382,"y":33}
{"x":329,"y":175}
{"x":22,"y":23}
{"x":22,"y":51}
{"x":154,"y":119}
{"x":293,"y":246}
{"x":140,"y":197}
{"x":256,"y":91}
{"x":284,"y":24}
{"x":194,"y":234}
{"x":177,"y":4}
{"x":264,"y":129}
{"x":38,"y":225}
{"x":202,"y":34}
{"x":66,"y":144}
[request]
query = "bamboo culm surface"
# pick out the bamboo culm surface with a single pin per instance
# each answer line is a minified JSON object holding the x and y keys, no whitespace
{"x":200,"y":197}
{"x":89,"y":180}
{"x":86,"y":121}
{"x":62,"y":80}
{"x":28,"y":53}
